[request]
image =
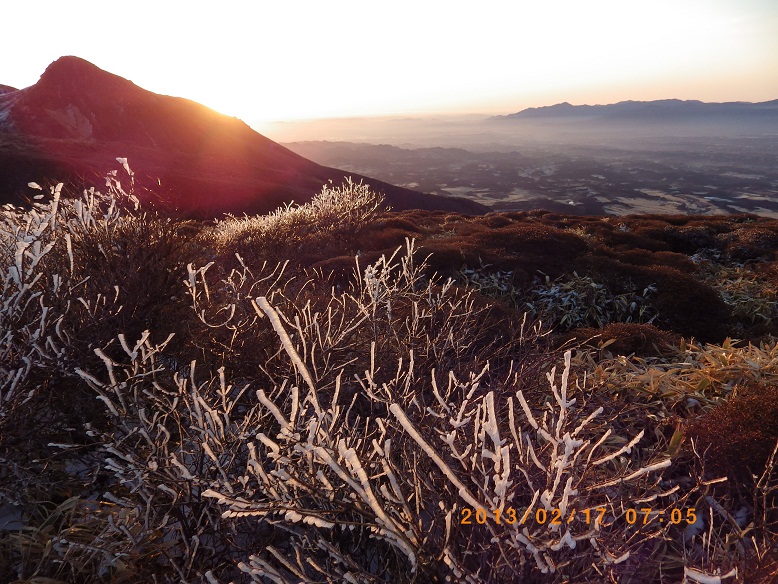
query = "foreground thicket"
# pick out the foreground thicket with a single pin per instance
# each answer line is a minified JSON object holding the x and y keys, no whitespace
{"x":169,"y":413}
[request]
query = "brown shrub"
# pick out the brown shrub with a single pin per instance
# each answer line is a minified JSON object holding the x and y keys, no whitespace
{"x":419,"y":219}
{"x":749,"y":242}
{"x":451,"y":218}
{"x":517,"y":215}
{"x":640,"y":238}
{"x":738,"y":435}
{"x":398,"y":222}
{"x":381,"y":238}
{"x":690,"y":238}
{"x":636,"y":257}
{"x":450,"y":254}
{"x":675,"y":260}
{"x":534,"y":238}
{"x":644,"y":257}
{"x":473,"y":228}
{"x":678,"y":220}
{"x":762,"y":570}
{"x":495,"y":220}
{"x":685,"y":305}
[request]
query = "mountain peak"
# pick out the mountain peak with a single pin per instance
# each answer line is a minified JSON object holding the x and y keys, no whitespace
{"x":74,"y":75}
{"x":69,"y":64}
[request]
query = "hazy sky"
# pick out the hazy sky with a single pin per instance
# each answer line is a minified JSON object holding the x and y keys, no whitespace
{"x":316,"y":58}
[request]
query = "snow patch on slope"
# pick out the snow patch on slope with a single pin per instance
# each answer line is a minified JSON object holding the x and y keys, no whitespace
{"x":7,"y":99}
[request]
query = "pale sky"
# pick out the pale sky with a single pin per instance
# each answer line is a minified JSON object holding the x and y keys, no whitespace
{"x":286,"y":60}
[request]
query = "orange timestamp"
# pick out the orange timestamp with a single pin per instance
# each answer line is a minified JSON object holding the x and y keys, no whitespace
{"x":595,"y":515}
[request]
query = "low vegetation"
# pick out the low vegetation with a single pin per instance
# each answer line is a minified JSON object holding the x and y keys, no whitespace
{"x":335,"y":393}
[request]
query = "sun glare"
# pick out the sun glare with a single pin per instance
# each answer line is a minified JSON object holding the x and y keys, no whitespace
{"x":262,"y":61}
{"x":519,"y":55}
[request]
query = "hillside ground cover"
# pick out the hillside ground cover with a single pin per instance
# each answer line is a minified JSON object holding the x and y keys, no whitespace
{"x":340,"y":393}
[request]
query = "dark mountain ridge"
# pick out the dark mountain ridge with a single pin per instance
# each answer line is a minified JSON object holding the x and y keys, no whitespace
{"x":647,"y":111}
{"x":77,"y":118}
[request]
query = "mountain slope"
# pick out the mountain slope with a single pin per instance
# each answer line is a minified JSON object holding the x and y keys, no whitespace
{"x":77,"y":118}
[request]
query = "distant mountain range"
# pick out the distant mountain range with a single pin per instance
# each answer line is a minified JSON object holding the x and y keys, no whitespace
{"x":73,"y":123}
{"x":665,"y":110}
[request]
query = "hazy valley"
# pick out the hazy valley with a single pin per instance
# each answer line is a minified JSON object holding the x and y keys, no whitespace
{"x":685,"y":164}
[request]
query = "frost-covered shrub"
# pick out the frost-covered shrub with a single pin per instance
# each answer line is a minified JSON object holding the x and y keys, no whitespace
{"x":76,"y":271}
{"x":333,"y":218}
{"x":179,"y":429}
{"x":350,"y":456}
{"x":43,"y":300}
{"x":389,"y":308}
{"x":323,"y":476}
{"x":30,"y":329}
{"x":172,"y":434}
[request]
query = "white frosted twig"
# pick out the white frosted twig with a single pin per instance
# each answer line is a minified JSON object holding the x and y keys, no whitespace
{"x":389,"y":530}
{"x":295,"y":405}
{"x":91,"y":380}
{"x":351,"y":458}
{"x":286,"y":342}
{"x":646,"y":469}
{"x":287,"y":564}
{"x":408,"y":426}
{"x":184,"y":471}
{"x":260,"y":567}
{"x":69,"y":245}
{"x":703,"y":578}
{"x":638,"y":473}
{"x":490,"y":424}
{"x":265,"y":401}
{"x":436,"y":393}
{"x":109,"y":404}
{"x":527,"y":411}
{"x":624,"y":449}
{"x":514,"y":433}
{"x":108,"y":365}
{"x":588,"y":419}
